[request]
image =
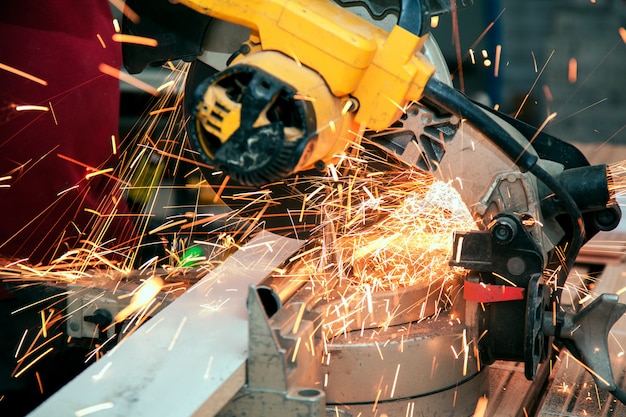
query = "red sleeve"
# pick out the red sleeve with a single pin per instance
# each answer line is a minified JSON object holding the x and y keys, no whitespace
{"x":43,"y":154}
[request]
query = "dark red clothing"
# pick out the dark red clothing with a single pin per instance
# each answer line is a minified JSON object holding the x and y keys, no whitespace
{"x":56,"y":41}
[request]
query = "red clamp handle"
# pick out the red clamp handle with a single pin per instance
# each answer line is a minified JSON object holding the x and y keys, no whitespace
{"x":487,"y":293}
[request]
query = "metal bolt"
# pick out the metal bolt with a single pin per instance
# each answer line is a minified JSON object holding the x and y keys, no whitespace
{"x":504,"y":230}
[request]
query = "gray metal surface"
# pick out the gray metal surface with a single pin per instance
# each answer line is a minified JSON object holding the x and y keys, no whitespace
{"x":573,"y":392}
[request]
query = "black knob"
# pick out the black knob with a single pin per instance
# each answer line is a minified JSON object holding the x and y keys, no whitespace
{"x":504,"y":230}
{"x":100,"y":317}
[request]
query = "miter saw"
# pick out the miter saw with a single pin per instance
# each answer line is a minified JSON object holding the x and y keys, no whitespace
{"x":279,"y":87}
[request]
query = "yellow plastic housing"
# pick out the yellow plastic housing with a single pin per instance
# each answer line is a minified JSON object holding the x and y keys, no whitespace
{"x":334,"y":126}
{"x":354,"y":57}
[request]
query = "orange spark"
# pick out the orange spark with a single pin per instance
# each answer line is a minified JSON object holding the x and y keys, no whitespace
{"x":166,"y":226}
{"x":127,"y":11}
{"x":99,"y":172}
{"x":27,"y":107}
{"x":73,"y":187}
{"x":138,"y":40}
{"x":23,"y":74}
{"x":39,"y":382}
{"x":481,"y":406}
{"x":472,"y":57}
{"x":163,"y":110}
{"x":104,"y":45}
{"x":295,"y":349}
{"x":37,"y":359}
{"x":44,"y":327}
{"x":165,"y":85}
{"x":496,"y":70}
{"x":296,"y":325}
{"x":90,"y":168}
{"x":547,"y":93}
{"x":622,"y":34}
{"x":142,"y":296}
{"x":127,"y":78}
{"x":543,"y":125}
{"x":54,"y":116}
{"x":221,"y":189}
{"x":303,"y":97}
{"x":534,"y":83}
{"x":572,"y":70}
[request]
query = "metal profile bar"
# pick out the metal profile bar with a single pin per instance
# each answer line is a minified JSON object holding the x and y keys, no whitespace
{"x":189,"y":359}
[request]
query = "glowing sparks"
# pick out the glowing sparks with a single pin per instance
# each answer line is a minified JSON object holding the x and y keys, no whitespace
{"x":23,"y":74}
{"x":481,"y":406}
{"x":412,"y":242}
{"x":572,"y":70}
{"x":395,"y":380}
{"x":142,"y":296}
{"x":486,"y":60}
{"x":392,"y":230}
{"x":100,"y":375}
{"x":34,"y":361}
{"x":83,"y":412}
{"x":496,"y":70}
{"x":162,"y":110}
{"x":296,"y":349}
{"x":207,"y":372}
{"x":127,"y":78}
{"x":165,"y":85}
{"x":5,"y":178}
{"x":532,"y":87}
{"x":622,"y":34}
{"x":19,"y":346}
{"x":548,"y":93}
{"x":137,"y":40}
{"x":99,"y":172}
{"x":54,"y":116}
{"x":296,"y":325}
{"x":104,"y":45}
{"x":179,"y":329}
{"x":39,"y":382}
{"x":44,"y":327}
{"x":31,"y":107}
{"x":127,"y":11}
